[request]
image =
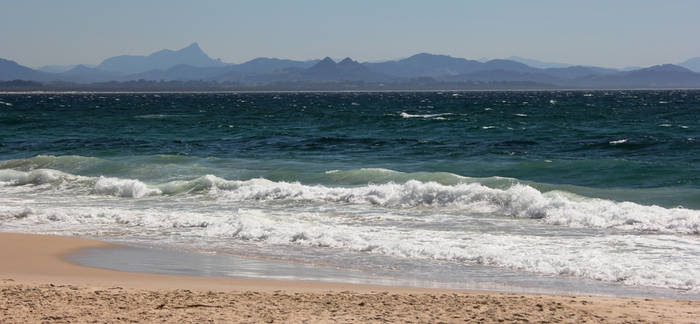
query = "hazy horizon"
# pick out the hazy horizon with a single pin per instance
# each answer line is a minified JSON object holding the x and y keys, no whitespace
{"x":619,"y":34}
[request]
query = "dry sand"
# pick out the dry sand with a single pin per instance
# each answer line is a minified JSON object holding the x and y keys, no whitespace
{"x":39,"y":286}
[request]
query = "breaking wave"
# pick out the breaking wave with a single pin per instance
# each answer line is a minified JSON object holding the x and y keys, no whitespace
{"x":515,"y":200}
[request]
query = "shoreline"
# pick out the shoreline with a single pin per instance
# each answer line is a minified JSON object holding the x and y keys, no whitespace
{"x":156,"y":259}
{"x":37,"y":281}
{"x":31,"y":92}
{"x":48,"y":264}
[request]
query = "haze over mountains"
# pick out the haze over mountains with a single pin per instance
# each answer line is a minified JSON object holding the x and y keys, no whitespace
{"x":193,"y":64}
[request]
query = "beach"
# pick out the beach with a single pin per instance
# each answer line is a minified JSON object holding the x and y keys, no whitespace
{"x":545,"y":206}
{"x":39,"y":285}
{"x":190,"y":163}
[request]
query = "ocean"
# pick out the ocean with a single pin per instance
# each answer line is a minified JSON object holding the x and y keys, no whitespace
{"x":538,"y":187}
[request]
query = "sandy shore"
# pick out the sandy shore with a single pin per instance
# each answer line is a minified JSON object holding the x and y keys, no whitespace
{"x":39,"y":286}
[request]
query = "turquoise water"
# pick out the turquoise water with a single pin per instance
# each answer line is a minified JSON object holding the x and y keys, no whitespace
{"x":602,"y":185}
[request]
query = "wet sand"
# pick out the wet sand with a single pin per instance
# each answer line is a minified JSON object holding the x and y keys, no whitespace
{"x":37,"y":284}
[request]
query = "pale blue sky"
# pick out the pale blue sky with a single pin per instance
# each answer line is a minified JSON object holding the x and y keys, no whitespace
{"x":605,"y":33}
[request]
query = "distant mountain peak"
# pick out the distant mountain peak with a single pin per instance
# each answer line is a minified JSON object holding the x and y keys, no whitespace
{"x":434,"y":58}
{"x":425,"y":54}
{"x":194,"y":47}
{"x":347,"y":61}
{"x":667,"y":68}
{"x":11,"y":70}
{"x":79,"y":68}
{"x":325,"y":64}
{"x":346,"y":69}
{"x":8,"y":62}
{"x":160,"y":60}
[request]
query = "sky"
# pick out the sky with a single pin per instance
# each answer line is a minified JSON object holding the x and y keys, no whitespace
{"x":617,"y":33}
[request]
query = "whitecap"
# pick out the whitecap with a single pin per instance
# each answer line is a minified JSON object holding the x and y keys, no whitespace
{"x":624,"y":140}
{"x":123,"y":188}
{"x":407,"y":115}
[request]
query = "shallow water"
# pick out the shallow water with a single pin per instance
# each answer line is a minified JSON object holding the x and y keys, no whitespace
{"x":600,"y":186}
{"x":404,"y":273}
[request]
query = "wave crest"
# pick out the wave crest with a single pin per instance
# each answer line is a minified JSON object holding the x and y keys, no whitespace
{"x":516,"y":200}
{"x":35,"y":177}
{"x":555,"y":207}
{"x":123,"y":188}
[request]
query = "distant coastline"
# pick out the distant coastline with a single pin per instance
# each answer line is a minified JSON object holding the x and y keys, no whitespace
{"x":156,"y":87}
{"x":197,"y":86}
{"x":191,"y":69}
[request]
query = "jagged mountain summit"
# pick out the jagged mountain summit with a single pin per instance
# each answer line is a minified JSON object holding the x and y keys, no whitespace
{"x":345,"y":70}
{"x":191,"y":55}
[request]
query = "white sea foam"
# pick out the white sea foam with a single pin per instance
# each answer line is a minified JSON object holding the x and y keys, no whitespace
{"x":160,"y":116}
{"x":661,"y":260}
{"x":35,"y":177}
{"x":522,"y":201}
{"x":407,"y":115}
{"x":123,"y":188}
{"x":620,"y":141}
{"x":401,"y":219}
{"x":393,"y":219}
{"x":518,"y":200}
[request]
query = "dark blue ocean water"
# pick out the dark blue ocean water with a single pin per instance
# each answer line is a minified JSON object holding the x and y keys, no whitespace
{"x":542,"y":182}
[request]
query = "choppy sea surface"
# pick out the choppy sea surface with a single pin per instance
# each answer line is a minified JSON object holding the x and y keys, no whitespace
{"x":600,"y":186}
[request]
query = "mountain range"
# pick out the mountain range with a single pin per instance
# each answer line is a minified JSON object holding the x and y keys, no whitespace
{"x":193,"y":64}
